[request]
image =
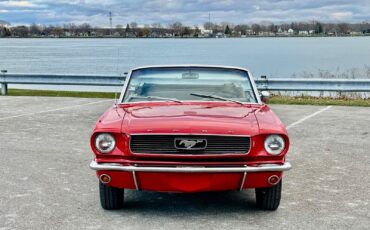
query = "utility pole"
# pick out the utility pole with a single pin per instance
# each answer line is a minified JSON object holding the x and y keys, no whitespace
{"x":110,"y":23}
{"x":110,"y":20}
{"x":210,"y":25}
{"x":209,"y":19}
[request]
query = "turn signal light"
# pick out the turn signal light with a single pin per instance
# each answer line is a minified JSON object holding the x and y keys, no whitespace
{"x":104,"y":178}
{"x":273,"y":180}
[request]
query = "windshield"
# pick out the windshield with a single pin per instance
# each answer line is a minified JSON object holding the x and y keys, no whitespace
{"x":189,"y":84}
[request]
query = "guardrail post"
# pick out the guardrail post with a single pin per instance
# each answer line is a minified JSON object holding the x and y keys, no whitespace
{"x":4,"y":89}
{"x":3,"y":84}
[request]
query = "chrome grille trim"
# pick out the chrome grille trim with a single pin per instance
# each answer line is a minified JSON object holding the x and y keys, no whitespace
{"x":164,"y":144}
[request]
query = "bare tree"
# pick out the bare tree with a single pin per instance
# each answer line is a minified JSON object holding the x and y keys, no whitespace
{"x":208,"y":25}
{"x":273,"y":28}
{"x":177,"y":27}
{"x":185,"y":31}
{"x":20,"y":31}
{"x":35,"y":30}
{"x":133,"y":25}
{"x":242,"y":29}
{"x":225,"y":24}
{"x":256,"y":28}
{"x":196,"y":31}
{"x":363,"y":27}
{"x":343,"y":28}
{"x":58,"y":31}
{"x":156,"y":25}
{"x":84,"y":28}
{"x":4,"y":31}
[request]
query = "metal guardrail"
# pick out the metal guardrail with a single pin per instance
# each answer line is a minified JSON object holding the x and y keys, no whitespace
{"x":314,"y":84}
{"x":59,"y":79}
{"x":274,"y":84}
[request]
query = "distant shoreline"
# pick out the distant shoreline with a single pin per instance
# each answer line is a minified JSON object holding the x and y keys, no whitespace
{"x":112,"y":37}
{"x":180,"y":30}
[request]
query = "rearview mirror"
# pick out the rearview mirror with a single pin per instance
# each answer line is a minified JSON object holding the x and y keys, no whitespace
{"x":265,"y":96}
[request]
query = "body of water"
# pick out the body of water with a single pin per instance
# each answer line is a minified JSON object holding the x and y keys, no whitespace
{"x":274,"y":57}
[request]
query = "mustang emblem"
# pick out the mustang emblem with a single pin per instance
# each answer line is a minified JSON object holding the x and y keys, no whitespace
{"x":190,"y":144}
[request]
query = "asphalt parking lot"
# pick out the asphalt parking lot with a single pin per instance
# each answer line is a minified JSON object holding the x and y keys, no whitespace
{"x":46,"y":183}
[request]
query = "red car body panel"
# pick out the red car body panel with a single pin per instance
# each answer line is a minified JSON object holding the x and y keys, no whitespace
{"x":185,"y":182}
{"x":189,"y":171}
{"x":221,"y":118}
{"x":215,"y":118}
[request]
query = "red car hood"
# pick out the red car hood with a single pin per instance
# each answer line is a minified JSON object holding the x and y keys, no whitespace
{"x":218,"y":118}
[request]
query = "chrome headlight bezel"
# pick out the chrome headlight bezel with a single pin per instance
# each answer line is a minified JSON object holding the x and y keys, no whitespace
{"x":105,"y":143}
{"x":274,"y":144}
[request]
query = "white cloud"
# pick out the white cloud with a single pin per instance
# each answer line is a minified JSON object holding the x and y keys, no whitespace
{"x":342,"y":15}
{"x":256,"y":7}
{"x":17,"y":4}
{"x":187,"y":11}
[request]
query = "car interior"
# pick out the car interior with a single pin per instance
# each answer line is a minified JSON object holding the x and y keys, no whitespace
{"x":183,"y":91}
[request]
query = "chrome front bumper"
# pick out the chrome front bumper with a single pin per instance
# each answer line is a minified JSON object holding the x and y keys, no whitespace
{"x":193,"y":169}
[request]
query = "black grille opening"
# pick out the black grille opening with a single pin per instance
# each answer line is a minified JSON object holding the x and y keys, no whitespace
{"x":165,"y":144}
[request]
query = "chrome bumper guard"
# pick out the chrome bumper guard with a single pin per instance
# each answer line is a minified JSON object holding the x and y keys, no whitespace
{"x":192,"y":169}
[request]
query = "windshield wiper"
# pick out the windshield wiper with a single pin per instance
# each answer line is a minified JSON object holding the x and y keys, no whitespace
{"x":215,"y":97}
{"x":158,"y":98}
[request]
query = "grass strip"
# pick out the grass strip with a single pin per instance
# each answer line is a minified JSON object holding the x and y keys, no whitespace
{"x":308,"y":100}
{"x":290,"y":100}
{"x":53,"y":93}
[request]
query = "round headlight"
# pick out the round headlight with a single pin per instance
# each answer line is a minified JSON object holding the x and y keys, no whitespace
{"x":274,"y":144}
{"x":105,"y":142}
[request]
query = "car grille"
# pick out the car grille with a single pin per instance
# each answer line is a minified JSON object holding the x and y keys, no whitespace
{"x":165,"y":144}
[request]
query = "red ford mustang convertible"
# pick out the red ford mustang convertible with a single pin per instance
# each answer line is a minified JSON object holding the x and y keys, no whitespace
{"x":190,"y":129}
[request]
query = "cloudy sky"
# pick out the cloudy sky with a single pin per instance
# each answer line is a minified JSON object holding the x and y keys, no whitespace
{"x":190,"y":12}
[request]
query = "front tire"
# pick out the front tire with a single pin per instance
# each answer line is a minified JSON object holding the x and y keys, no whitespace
{"x":110,"y":198}
{"x":269,"y":198}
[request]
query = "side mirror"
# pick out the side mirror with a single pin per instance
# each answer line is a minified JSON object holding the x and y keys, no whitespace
{"x":265,"y":96}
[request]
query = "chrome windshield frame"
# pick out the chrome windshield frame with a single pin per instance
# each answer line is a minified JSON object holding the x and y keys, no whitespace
{"x":250,"y":76}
